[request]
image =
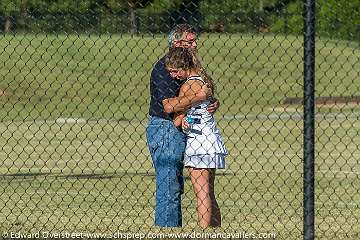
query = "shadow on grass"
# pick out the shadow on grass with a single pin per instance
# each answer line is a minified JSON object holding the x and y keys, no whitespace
{"x":106,"y":175}
{"x":32,"y":175}
{"x":23,"y":174}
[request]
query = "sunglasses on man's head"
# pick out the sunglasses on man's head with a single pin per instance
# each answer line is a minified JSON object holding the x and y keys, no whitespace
{"x":187,"y":42}
{"x":174,"y":70}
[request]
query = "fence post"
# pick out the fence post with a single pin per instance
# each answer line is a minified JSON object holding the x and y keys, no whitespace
{"x":309,"y":118}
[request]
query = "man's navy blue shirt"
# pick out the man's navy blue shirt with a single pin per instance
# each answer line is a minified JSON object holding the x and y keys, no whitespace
{"x":162,"y":86}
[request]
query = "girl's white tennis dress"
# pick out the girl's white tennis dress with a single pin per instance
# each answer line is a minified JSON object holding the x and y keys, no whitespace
{"x":204,"y":146}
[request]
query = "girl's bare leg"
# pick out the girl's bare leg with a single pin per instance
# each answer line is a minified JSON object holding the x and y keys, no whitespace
{"x":207,"y":207}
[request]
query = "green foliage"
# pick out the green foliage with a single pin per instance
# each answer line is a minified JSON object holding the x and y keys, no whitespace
{"x":336,"y":19}
{"x":68,"y":6}
{"x":290,"y":20}
{"x":8,"y":7}
{"x":339,"y":19}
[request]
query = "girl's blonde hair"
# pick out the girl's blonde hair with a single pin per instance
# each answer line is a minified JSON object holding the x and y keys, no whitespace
{"x":186,"y":59}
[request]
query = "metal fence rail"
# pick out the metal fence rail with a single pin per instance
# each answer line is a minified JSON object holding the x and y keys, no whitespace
{"x":74,"y":96}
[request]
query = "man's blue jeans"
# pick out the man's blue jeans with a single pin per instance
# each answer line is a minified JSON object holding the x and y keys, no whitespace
{"x":167,"y":146}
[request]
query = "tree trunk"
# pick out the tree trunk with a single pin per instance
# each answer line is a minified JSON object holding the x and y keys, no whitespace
{"x":286,"y":21}
{"x":132,"y":18}
{"x":261,"y":5}
{"x":7,"y":27}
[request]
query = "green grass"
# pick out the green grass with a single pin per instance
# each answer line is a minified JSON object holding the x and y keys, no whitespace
{"x":96,"y":175}
{"x":101,"y":77}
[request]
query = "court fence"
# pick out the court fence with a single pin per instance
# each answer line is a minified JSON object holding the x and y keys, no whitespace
{"x":74,"y":96}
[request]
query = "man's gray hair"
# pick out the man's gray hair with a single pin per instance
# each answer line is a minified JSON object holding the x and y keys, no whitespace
{"x":178,"y":31}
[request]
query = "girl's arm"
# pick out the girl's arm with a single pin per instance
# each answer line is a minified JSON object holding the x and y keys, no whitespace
{"x":189,"y":88}
{"x":192,"y":95}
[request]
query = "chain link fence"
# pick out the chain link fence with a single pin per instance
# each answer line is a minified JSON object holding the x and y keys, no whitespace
{"x":74,"y":99}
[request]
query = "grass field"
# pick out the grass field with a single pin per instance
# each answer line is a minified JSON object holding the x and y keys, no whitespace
{"x":73,"y":149}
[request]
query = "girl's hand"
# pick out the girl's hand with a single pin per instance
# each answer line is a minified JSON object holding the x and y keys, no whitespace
{"x":185,"y":125}
{"x":178,"y":119}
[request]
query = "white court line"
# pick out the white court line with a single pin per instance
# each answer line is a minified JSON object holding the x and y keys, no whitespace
{"x":328,"y":173}
{"x":250,"y":116}
{"x":265,"y":153}
{"x":67,"y":120}
{"x":285,"y":115}
{"x":336,"y":172}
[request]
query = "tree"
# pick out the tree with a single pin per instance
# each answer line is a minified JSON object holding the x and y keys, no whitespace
{"x":339,"y":19}
{"x":8,"y":8}
{"x":130,"y":6}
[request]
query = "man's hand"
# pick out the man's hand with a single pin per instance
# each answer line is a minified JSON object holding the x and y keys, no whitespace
{"x":213,"y":106}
